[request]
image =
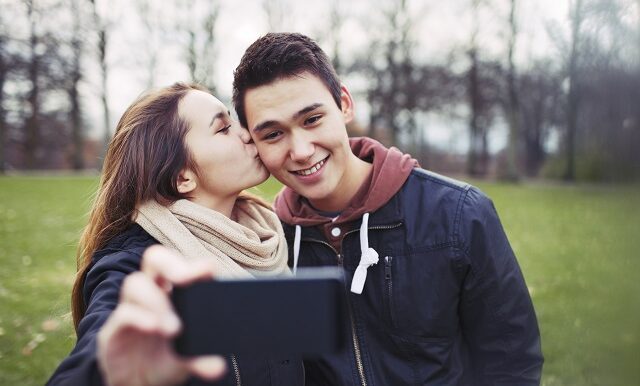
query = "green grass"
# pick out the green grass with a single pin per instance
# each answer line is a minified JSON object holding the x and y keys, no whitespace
{"x":578,"y":248}
{"x":40,"y":223}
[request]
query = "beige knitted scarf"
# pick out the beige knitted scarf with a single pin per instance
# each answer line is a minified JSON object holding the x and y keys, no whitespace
{"x":254,"y":245}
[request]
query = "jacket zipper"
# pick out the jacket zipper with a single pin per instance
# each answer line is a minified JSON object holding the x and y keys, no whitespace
{"x":236,"y":369}
{"x":354,"y":335}
{"x":388,"y":278}
{"x":376,"y":227}
{"x":338,"y":256}
{"x":356,"y":350}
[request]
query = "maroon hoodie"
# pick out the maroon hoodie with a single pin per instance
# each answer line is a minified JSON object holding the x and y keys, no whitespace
{"x":391,"y":168}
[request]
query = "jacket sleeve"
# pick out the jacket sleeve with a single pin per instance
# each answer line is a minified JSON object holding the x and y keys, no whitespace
{"x":101,"y":293}
{"x":498,"y":320}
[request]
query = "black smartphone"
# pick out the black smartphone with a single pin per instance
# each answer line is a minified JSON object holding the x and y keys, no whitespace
{"x":303,"y":315}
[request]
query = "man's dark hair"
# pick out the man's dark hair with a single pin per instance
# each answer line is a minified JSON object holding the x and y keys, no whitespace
{"x":281,"y":55}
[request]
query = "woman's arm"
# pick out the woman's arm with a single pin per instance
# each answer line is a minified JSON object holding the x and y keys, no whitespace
{"x":101,"y":291}
{"x":125,"y":335}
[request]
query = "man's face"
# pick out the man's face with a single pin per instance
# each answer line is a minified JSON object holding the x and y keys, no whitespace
{"x":301,"y":136}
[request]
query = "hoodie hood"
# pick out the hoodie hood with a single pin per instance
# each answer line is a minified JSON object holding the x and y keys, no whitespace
{"x":391,"y":168}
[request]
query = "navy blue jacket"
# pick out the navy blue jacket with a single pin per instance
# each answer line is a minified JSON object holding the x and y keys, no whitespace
{"x":101,"y":292}
{"x":446,"y":304}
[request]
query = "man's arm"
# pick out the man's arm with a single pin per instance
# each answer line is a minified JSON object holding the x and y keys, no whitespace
{"x":498,"y":321}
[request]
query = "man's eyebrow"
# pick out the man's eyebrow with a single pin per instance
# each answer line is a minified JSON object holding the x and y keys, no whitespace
{"x":263,"y":125}
{"x":220,"y":115}
{"x":306,"y":110}
{"x":298,"y":114}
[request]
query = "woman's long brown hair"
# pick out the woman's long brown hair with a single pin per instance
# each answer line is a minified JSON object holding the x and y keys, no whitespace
{"x":143,"y":162}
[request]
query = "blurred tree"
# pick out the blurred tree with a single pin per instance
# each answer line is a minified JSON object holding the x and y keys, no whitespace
{"x":199,"y":23}
{"x":541,"y":110}
{"x":397,"y":101}
{"x":72,"y":83}
{"x":512,"y":102}
{"x":401,"y":90}
{"x":38,"y":69}
{"x":336,"y":20}
{"x":601,"y":83}
{"x":573,"y":97}
{"x":391,"y":69}
{"x":609,"y":92}
{"x":275,"y":12}
{"x":150,"y":15}
{"x":103,"y":24}
{"x":483,"y":87}
{"x":4,"y":70}
{"x":32,"y":124}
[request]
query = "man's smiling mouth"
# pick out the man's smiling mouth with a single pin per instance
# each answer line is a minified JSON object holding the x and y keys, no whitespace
{"x":312,"y":169}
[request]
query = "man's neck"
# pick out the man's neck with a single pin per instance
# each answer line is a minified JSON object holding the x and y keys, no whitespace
{"x":355,"y":175}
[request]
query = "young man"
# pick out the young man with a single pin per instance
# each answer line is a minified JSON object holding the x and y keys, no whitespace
{"x":435,"y":294}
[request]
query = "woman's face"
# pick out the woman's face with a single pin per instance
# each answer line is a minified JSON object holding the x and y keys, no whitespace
{"x":226,"y":158}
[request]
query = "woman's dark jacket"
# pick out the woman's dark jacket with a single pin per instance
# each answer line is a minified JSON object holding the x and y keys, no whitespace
{"x":101,"y":291}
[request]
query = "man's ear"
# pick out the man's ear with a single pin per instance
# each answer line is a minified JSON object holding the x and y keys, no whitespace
{"x":346,"y":104}
{"x":186,"y":181}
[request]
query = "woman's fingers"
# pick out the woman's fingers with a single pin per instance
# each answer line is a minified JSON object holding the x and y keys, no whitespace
{"x":134,"y":336}
{"x":139,"y":330}
{"x":168,"y":268}
{"x":207,"y":367}
{"x":132,"y":317}
{"x":133,"y":349}
{"x":138,"y":289}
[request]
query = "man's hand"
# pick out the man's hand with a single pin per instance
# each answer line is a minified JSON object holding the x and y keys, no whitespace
{"x":134,"y":345}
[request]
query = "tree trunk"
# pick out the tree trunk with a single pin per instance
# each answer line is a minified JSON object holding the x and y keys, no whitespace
{"x":473,"y":93}
{"x":533,"y":137}
{"x":200,"y":55}
{"x":573,"y":102}
{"x":104,"y":77}
{"x":32,"y":126}
{"x":208,"y":50}
{"x":474,"y":102}
{"x":373,"y":111}
{"x":513,"y":107}
{"x":76,"y":124}
{"x":101,"y":25}
{"x":77,"y":154}
{"x":484,"y":153}
{"x":4,"y":68}
{"x":337,"y":20}
{"x":192,"y":56}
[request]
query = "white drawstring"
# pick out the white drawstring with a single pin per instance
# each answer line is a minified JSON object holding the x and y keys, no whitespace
{"x":368,"y":258}
{"x":296,"y":248}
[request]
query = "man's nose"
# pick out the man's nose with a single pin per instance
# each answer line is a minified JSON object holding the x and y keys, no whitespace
{"x":301,"y":149}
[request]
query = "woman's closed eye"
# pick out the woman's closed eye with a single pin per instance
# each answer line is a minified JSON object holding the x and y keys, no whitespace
{"x":224,"y":130}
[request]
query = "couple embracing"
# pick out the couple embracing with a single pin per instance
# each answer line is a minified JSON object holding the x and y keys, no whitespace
{"x":442,"y":301}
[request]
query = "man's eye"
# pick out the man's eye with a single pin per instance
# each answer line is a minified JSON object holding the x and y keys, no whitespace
{"x":312,"y":120}
{"x":272,"y":135}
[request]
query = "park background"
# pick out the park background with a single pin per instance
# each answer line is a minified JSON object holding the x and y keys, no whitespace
{"x":535,"y":102}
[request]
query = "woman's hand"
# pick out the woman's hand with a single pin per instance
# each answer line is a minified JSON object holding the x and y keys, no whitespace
{"x":134,"y":345}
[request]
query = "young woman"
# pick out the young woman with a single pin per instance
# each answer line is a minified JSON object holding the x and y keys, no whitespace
{"x":174,"y":174}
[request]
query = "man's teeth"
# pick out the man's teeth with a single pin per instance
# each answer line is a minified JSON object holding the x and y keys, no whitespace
{"x":311,"y":170}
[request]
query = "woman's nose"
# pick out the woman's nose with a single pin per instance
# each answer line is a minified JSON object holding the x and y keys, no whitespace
{"x":244,"y":135}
